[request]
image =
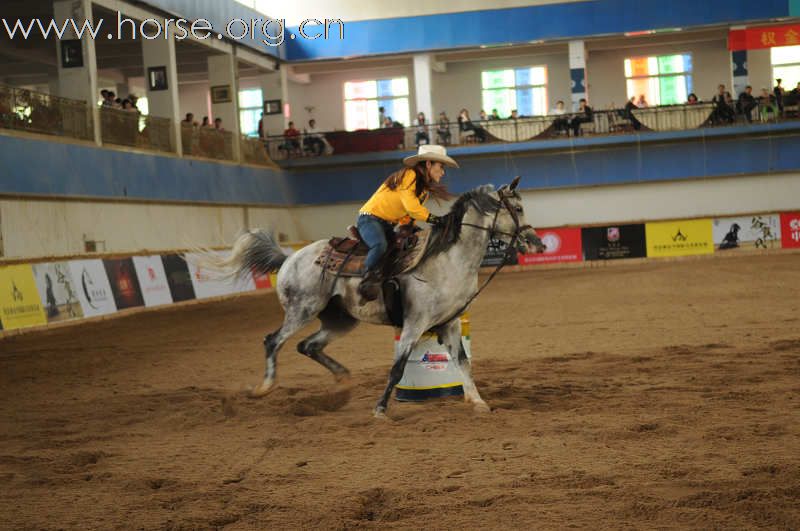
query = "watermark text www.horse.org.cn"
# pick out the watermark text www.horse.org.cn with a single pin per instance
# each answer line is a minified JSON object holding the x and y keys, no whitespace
{"x":269,"y":31}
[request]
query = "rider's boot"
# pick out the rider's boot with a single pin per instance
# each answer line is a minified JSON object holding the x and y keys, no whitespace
{"x":370,"y":286}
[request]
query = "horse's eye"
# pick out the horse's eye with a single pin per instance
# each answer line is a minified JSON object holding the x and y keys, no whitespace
{"x":519,"y":210}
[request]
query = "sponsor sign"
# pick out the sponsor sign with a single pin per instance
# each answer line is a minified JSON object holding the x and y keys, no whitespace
{"x":178,"y":277}
{"x":563,"y":245}
{"x":124,"y":284}
{"x":790,"y":230}
{"x":262,"y":281}
{"x":152,"y":280}
{"x":57,"y":291}
{"x":208,"y":284}
{"x":764,"y":37}
{"x":91,"y":283}
{"x":679,"y":238}
{"x":19,"y":299}
{"x":496,"y":252}
{"x":747,"y":232}
{"x":613,"y":242}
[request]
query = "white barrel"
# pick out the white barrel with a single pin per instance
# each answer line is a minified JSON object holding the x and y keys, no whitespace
{"x":431,"y":372}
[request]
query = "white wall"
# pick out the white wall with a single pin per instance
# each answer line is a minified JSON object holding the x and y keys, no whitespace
{"x":605,"y":70}
{"x":44,"y":228}
{"x":194,"y":98}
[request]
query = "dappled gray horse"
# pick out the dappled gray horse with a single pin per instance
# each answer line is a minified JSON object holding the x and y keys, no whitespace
{"x":434,"y":294}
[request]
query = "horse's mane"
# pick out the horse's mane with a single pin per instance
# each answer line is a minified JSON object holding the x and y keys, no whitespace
{"x":446,"y":233}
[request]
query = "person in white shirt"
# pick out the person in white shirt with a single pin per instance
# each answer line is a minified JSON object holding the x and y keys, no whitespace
{"x":316,"y":140}
{"x":560,"y":124}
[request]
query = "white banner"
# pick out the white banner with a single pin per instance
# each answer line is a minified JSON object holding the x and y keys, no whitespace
{"x":206,"y":283}
{"x":91,"y":283}
{"x":152,"y":280}
{"x":58,"y":292}
{"x":747,"y":232}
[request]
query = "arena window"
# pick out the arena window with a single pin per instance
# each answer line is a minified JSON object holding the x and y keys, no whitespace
{"x":786,"y":65}
{"x":663,"y":79}
{"x":363,"y":99}
{"x":250,"y":108}
{"x":524,"y":89}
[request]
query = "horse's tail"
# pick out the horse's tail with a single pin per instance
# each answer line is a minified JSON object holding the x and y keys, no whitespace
{"x":255,"y":251}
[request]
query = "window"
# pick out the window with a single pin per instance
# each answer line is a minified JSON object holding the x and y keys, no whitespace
{"x":786,"y":65}
{"x":363,"y":98}
{"x":663,"y":80}
{"x":524,"y":89}
{"x":250,"y":108}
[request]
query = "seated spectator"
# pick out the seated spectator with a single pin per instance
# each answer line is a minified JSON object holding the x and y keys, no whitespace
{"x":188,"y":121}
{"x":766,"y":104}
{"x":793,"y":97}
{"x":495,"y":115}
{"x":316,"y":141}
{"x":483,"y":116}
{"x":465,"y":124}
{"x":107,"y":100}
{"x":723,"y":111}
{"x":747,"y":102}
{"x":560,"y":124}
{"x":692,"y":99}
{"x":128,"y":106}
{"x":514,"y":115}
{"x":205,"y":123}
{"x":584,"y":115}
{"x":443,"y":130}
{"x":628,"y":113}
{"x":422,"y":130}
{"x":218,"y":124}
{"x":387,"y":122}
{"x":290,"y":136}
{"x":642,"y":103}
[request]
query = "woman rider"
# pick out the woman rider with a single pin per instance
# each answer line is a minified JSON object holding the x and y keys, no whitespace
{"x":399,"y":200}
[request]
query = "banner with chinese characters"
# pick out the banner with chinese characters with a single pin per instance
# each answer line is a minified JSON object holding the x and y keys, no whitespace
{"x":764,"y":37}
{"x":563,"y":245}
{"x":19,"y":299}
{"x":58,"y":293}
{"x":762,"y":231}
{"x":679,"y":238}
{"x":613,"y":242}
{"x":790,"y":230}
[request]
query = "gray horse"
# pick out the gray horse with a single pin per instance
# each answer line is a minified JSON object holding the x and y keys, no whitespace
{"x":434,"y":294}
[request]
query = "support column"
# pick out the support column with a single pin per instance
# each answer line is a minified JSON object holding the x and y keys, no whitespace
{"x":286,"y":112}
{"x":422,"y":86}
{"x":222,"y":72}
{"x":77,"y":66}
{"x":271,"y":89}
{"x":577,"y":72}
{"x":741,"y":77}
{"x":159,"y":54}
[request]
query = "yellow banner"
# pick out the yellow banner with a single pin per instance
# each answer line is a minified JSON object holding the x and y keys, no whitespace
{"x":20,"y":305}
{"x":679,"y":238}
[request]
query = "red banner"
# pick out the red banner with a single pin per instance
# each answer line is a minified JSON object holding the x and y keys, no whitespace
{"x":563,"y":245}
{"x":262,"y":281}
{"x":767,"y":37}
{"x":790,"y":230}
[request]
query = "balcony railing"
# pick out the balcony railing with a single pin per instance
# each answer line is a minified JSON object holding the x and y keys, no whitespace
{"x":207,"y":142}
{"x":37,"y":112}
{"x":255,"y":152}
{"x":129,"y":128}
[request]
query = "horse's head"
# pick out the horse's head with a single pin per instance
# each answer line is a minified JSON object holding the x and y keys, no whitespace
{"x":511,"y":222}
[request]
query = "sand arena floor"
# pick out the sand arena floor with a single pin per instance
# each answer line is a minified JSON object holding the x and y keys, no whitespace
{"x":652,"y":395}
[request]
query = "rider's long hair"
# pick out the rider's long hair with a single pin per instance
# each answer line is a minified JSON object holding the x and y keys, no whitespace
{"x":424,"y":183}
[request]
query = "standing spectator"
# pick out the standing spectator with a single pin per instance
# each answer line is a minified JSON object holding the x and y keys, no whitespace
{"x":422,"y":130}
{"x":465,"y":124}
{"x":723,"y":112}
{"x":561,"y":123}
{"x":747,"y":102}
{"x":642,"y":103}
{"x":382,"y":118}
{"x":692,"y":99}
{"x":628,"y":113}
{"x":778,"y":91}
{"x":585,"y":115}
{"x":443,"y":130}
{"x":262,"y":128}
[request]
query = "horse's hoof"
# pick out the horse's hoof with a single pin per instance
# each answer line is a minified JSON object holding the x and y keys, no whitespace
{"x":343,"y":377}
{"x":380,"y":413}
{"x":262,"y":390}
{"x":482,"y":407}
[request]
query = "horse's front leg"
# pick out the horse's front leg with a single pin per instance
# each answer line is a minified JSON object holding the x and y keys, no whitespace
{"x":408,"y":340}
{"x":450,"y":336}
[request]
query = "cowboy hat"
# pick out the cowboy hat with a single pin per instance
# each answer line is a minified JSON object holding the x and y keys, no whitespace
{"x":430,"y":152}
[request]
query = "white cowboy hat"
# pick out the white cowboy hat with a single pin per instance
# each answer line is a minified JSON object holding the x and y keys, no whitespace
{"x":430,"y":152}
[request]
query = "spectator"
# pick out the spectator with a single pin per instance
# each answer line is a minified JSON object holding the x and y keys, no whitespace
{"x":382,"y":117}
{"x":106,"y":101}
{"x":483,"y":116}
{"x":262,"y":128}
{"x":422,"y":130}
{"x":723,"y":112}
{"x":514,"y":115}
{"x":642,"y":103}
{"x":628,"y":113}
{"x":387,"y":121}
{"x":443,"y":129}
{"x":793,"y":97}
{"x":747,"y":102}
{"x":495,"y":115}
{"x":692,"y":100}
{"x":205,"y":123}
{"x":767,"y":104}
{"x":585,"y":115}
{"x":128,"y":106}
{"x":778,"y":91}
{"x":134,"y":101}
{"x":465,"y":124}
{"x":315,"y":140}
{"x":560,"y":124}
{"x":218,"y":124}
{"x":290,"y":136}
{"x":189,"y":121}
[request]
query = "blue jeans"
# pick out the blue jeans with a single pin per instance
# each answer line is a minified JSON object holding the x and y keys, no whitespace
{"x":375,"y":233}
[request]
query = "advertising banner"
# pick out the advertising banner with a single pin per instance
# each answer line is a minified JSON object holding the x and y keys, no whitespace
{"x":124,"y":284}
{"x":496,"y":252}
{"x":91,"y":283}
{"x":20,"y":305}
{"x":764,"y":37}
{"x":262,"y":281}
{"x":208,"y":284}
{"x":563,"y":245}
{"x":152,"y":280}
{"x":790,"y":230}
{"x":747,"y":232}
{"x":679,"y":238}
{"x":613,"y":242}
{"x":58,"y":293}
{"x":178,"y":277}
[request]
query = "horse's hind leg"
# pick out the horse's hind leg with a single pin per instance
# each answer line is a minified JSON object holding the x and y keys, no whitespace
{"x":335,"y":322}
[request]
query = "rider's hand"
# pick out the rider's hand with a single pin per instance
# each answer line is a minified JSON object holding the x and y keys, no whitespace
{"x":434,"y":220}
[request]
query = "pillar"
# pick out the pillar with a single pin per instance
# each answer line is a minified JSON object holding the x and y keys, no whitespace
{"x":577,"y":72}
{"x":422,"y":87}
{"x":159,"y":56}
{"x":222,"y":72}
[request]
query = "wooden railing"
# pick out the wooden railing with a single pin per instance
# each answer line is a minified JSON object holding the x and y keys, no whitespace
{"x":37,"y":112}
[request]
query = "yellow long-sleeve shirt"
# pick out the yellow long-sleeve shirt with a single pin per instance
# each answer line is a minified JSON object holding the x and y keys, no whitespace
{"x":396,"y":206}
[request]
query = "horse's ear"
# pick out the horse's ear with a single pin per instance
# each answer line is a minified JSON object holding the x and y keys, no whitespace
{"x":514,"y":183}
